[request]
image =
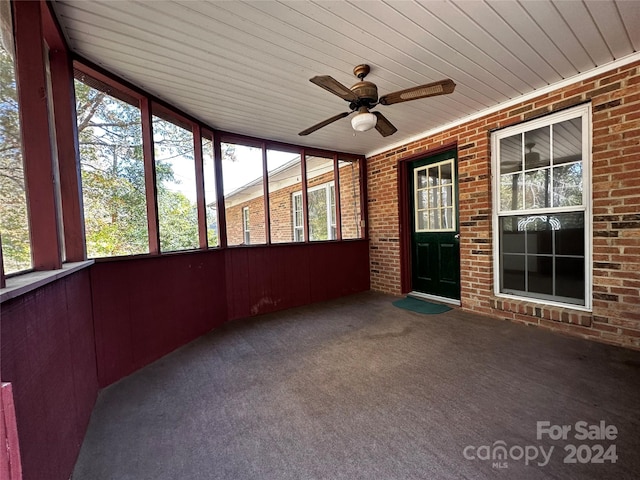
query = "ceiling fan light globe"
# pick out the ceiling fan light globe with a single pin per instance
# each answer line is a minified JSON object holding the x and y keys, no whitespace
{"x":364,"y":121}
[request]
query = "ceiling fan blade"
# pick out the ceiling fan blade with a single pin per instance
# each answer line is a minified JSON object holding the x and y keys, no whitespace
{"x":442,"y":87}
{"x":318,"y":126}
{"x":330,"y":84}
{"x":384,"y":126}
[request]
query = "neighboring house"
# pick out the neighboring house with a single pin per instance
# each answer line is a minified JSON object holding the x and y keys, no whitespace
{"x":244,"y":207}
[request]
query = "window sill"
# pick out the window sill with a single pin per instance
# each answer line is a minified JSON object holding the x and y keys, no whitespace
{"x":21,"y":284}
{"x":541,"y":303}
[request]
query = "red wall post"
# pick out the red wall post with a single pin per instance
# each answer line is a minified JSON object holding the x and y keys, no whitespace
{"x":34,"y":118}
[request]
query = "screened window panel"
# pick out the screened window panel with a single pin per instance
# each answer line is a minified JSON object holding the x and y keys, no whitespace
{"x":320,"y":198}
{"x":210,"y":193}
{"x":242,"y":177}
{"x":350,"y":207}
{"x":285,"y":178}
{"x":112,"y":169}
{"x":14,"y":216}
{"x":176,"y":186}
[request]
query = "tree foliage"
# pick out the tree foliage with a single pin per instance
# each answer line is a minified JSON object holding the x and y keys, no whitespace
{"x":14,"y":224}
{"x":112,"y":164}
{"x":113,"y":177}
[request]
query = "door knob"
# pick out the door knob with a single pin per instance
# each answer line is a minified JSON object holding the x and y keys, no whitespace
{"x":457,"y":236}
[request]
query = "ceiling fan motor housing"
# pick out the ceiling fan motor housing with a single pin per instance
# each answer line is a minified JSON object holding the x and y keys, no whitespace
{"x":367,"y":93}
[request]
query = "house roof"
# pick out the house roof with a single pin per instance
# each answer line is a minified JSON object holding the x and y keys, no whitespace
{"x":282,"y":177}
{"x":244,"y":67}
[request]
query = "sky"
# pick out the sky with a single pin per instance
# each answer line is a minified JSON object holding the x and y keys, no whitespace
{"x":235,"y":174}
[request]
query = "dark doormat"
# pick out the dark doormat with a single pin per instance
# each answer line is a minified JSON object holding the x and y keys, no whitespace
{"x":420,"y":306}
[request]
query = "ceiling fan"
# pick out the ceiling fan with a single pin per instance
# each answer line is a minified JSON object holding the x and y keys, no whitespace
{"x":363,"y":96}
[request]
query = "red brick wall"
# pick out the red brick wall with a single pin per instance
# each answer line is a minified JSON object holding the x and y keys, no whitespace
{"x":350,"y":200}
{"x":615,"y":97}
{"x":280,"y":205}
{"x":235,"y":233}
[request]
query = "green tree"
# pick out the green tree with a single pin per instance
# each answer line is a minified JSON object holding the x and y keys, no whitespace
{"x":113,"y":181}
{"x":113,"y":188}
{"x":14,"y":224}
{"x":112,"y":165}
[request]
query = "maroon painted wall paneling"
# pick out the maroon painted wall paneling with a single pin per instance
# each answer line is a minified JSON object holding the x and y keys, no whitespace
{"x":271,"y":278}
{"x":145,"y":308}
{"x":48,"y":356}
{"x":64,"y":340}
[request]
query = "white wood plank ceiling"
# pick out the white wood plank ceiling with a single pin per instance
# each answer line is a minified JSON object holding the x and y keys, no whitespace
{"x":244,"y":66}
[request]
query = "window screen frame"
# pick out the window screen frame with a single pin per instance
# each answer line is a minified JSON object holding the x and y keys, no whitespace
{"x":584,"y":112}
{"x":328,"y":187}
{"x":246,"y":226}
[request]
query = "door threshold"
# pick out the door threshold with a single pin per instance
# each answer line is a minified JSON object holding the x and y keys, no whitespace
{"x":427,"y":296}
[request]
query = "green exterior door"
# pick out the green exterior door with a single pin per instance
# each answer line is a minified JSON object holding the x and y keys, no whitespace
{"x":435,"y":246}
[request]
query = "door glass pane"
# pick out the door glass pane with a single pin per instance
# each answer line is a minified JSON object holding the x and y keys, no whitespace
{"x":433,"y":176}
{"x":537,"y":148}
{"x":422,"y":179}
{"x":437,"y":197}
{"x":447,"y":218}
{"x":242,"y":177}
{"x":285,"y":176}
{"x":423,"y":220}
{"x":567,"y":141}
{"x":446,"y":199}
{"x":176,"y":184}
{"x":434,"y":197}
{"x":445,"y":173}
{"x":434,"y":219}
{"x":422,"y":199}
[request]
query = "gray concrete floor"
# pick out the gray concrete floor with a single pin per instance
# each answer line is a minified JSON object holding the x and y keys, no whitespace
{"x":358,"y":389}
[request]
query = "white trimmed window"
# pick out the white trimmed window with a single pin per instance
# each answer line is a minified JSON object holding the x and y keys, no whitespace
{"x":321,"y":203}
{"x":542,"y":209}
{"x":298,"y":217}
{"x":246,"y":231}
